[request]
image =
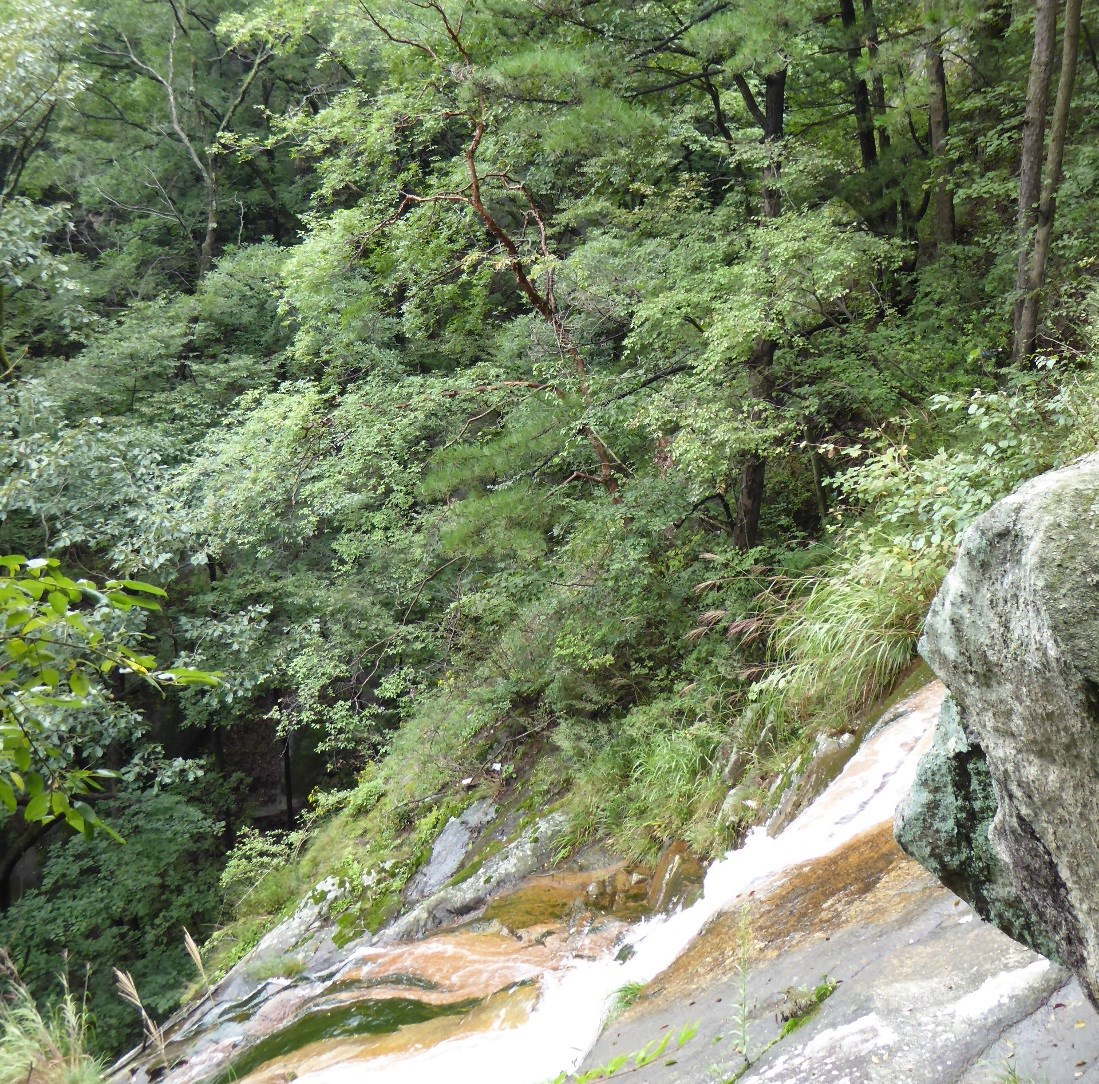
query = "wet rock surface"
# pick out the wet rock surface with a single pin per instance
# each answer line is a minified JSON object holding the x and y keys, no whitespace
{"x":822,"y":764}
{"x":1014,"y":633}
{"x":468,"y":956}
{"x":825,"y":954}
{"x":925,"y":992}
{"x":531,"y":851}
{"x":676,"y":881}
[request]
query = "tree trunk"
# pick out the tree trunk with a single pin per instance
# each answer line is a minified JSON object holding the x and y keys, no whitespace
{"x":1027,"y":328}
{"x":818,"y":486}
{"x":27,"y":837}
{"x":749,"y":504}
{"x":860,"y":93}
{"x":900,"y":211}
{"x":938,"y":123}
{"x":206,"y":253}
{"x":6,"y":367}
{"x":877,"y":83}
{"x":1030,"y":161}
{"x":288,"y":784}
{"x":774,"y":119}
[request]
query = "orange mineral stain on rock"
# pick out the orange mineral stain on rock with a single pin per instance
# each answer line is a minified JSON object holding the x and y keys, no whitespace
{"x":487,"y":962}
{"x":619,"y":890}
{"x":465,"y":964}
{"x":505,"y":1009}
{"x":866,"y":882}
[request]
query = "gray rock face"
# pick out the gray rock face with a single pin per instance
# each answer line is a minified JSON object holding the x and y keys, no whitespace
{"x":449,"y":850}
{"x":1014,"y":634}
{"x":944,"y":825}
{"x":821,"y":765}
{"x":925,"y":993}
{"x":531,"y":851}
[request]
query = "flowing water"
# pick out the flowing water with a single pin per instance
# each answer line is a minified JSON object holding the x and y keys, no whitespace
{"x":548,"y":1022}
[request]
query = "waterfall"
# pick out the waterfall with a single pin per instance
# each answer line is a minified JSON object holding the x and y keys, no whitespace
{"x":566,"y":1020}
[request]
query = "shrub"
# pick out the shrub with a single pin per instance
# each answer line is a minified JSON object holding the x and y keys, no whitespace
{"x":107,"y":905}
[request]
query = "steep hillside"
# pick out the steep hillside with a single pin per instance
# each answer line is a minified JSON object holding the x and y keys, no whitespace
{"x":566,"y":408}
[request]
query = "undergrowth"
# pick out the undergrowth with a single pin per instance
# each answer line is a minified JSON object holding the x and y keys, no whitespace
{"x":44,"y":1045}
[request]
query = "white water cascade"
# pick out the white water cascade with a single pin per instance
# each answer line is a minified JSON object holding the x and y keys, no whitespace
{"x":566,"y":1020}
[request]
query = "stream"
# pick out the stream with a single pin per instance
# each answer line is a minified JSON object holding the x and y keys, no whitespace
{"x":551,"y":1014}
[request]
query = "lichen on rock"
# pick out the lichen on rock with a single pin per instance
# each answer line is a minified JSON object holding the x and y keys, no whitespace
{"x":944,"y":825}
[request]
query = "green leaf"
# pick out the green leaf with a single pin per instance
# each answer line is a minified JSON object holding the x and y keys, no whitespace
{"x":181,"y":675}
{"x":79,"y":684}
{"x":108,"y":831}
{"x":7,"y":795}
{"x":38,"y":807}
{"x":144,"y":588}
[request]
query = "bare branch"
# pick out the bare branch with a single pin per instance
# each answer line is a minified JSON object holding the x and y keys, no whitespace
{"x":396,"y":39}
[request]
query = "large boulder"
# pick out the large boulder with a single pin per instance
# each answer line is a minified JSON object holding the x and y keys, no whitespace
{"x":1014,"y":634}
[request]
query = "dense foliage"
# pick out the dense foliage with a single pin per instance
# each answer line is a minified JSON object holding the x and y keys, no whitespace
{"x":581,"y":398}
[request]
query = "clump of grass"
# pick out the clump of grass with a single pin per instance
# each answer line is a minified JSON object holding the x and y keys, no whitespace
{"x":803,"y":1004}
{"x":622,"y":999}
{"x":654,"y":776}
{"x":847,"y":636}
{"x":1010,"y":1074}
{"x":230,"y":944}
{"x":195,"y":955}
{"x":277,"y":967}
{"x":40,"y":1047}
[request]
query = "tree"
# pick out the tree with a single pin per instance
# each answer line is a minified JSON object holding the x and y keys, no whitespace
{"x":533,"y":269}
{"x":938,"y":123}
{"x":61,"y":644}
{"x":101,"y":906}
{"x":200,"y":126}
{"x":1037,"y":186}
{"x":38,"y":75}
